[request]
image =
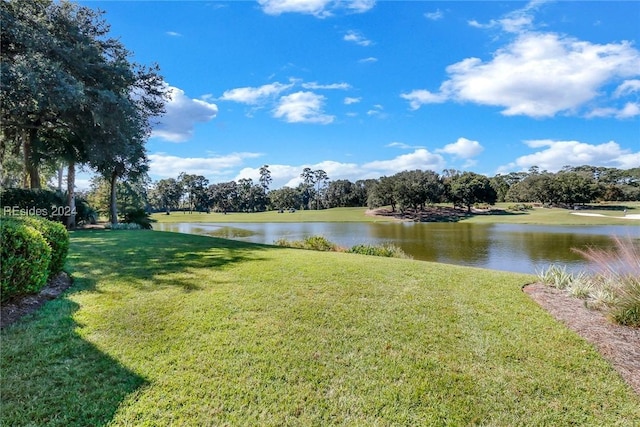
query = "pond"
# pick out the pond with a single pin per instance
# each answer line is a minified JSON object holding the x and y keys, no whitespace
{"x":510,"y":247}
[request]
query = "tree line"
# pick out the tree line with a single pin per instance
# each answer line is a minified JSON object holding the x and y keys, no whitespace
{"x":407,"y":190}
{"x":70,"y":98}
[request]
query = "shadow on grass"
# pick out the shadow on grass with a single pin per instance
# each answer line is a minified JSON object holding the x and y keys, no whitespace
{"x":442,"y":214}
{"x":148,"y":259}
{"x":52,"y":376}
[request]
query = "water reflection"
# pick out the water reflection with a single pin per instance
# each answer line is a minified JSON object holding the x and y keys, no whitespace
{"x":510,"y":247}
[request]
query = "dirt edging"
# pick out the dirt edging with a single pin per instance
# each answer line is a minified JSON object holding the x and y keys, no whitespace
{"x":620,"y":345}
{"x":15,"y":308}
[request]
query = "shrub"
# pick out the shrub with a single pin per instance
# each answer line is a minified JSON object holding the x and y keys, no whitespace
{"x":140,"y":217}
{"x":56,"y":236}
{"x":520,"y":207}
{"x":385,"y":250}
{"x":556,"y":276}
{"x":25,"y":259}
{"x":124,"y":226}
{"x":84,"y":212}
{"x":316,"y":243}
{"x":33,"y":202}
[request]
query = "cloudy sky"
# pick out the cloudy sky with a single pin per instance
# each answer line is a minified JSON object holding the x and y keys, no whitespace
{"x":362,"y":89}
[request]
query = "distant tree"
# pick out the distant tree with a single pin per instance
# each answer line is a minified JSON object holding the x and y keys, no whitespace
{"x":362,"y":188}
{"x":265,"y":178}
{"x":285,"y":198}
{"x":320,"y":178}
{"x":574,"y":188}
{"x":470,"y":188}
{"x":306,"y":186}
{"x":501,"y":185}
{"x":224,"y":196}
{"x":195,"y":188}
{"x":382,"y":194}
{"x":251,"y":197}
{"x":342,"y":193}
{"x":166,"y":194}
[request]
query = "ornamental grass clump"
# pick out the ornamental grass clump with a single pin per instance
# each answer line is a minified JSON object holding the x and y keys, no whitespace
{"x":616,"y":280}
{"x":556,"y":276}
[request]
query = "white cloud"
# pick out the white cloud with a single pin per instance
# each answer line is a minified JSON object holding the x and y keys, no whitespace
{"x":169,"y":166}
{"x":318,"y":8}
{"x":173,"y":34}
{"x":462,"y":148}
{"x":309,"y":7}
{"x":254,"y":95}
{"x":538,"y":75}
{"x":513,"y":22}
{"x":419,"y":159}
{"x":332,"y":86}
{"x":419,"y":97}
{"x":368,"y":60}
{"x":302,"y":107}
{"x":377,"y":111}
{"x":630,"y":109}
{"x":434,"y":16}
{"x":349,"y":100}
{"x":360,"y":6}
{"x":357,"y":38}
{"x":289,"y":175}
{"x":181,"y":115}
{"x":556,"y":154}
{"x":402,"y":145}
{"x":627,"y":87}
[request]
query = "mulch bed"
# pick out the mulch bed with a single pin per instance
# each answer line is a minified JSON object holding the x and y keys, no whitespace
{"x":620,"y":345}
{"x":15,"y":308}
{"x":429,"y":214}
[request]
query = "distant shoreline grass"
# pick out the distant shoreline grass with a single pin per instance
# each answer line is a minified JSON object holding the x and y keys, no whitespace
{"x":536,"y":216}
{"x":166,"y":328}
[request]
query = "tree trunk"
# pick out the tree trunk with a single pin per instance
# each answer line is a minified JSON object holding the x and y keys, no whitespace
{"x":30,"y":165}
{"x":60,"y":175}
{"x":71,"y":195}
{"x":113,"y":208}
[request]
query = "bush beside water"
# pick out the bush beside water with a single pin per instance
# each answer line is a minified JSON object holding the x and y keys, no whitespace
{"x":320,"y":243}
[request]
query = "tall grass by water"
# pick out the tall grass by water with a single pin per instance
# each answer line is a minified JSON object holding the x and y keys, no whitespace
{"x":612,"y":284}
{"x":172,"y":329}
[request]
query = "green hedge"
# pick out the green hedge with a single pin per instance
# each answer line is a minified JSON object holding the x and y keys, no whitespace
{"x":33,"y":249}
{"x":25,"y":258}
{"x":21,"y":201}
{"x":56,"y":236}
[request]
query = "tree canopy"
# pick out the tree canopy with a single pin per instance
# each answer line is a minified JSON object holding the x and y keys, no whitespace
{"x":70,"y":93}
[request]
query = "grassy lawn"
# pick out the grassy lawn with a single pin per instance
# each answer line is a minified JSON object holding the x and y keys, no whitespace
{"x":543,"y":216}
{"x":172,"y":329}
{"x":326,"y":215}
{"x":557,"y":216}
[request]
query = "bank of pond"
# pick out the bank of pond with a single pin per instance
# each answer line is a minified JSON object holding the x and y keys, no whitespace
{"x":522,"y":248}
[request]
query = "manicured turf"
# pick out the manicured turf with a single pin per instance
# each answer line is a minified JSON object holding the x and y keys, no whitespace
{"x":612,"y":215}
{"x":543,"y":216}
{"x":173,"y":329}
{"x":326,"y":215}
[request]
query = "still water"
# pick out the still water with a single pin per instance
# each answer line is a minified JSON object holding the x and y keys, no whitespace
{"x":509,"y":247}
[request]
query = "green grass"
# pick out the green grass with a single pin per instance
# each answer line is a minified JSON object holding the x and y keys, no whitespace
{"x":558,"y":216}
{"x":172,"y":329}
{"x":325,"y":215}
{"x":542,"y":216}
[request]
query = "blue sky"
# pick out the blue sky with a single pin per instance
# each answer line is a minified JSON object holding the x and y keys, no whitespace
{"x":362,"y":89}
